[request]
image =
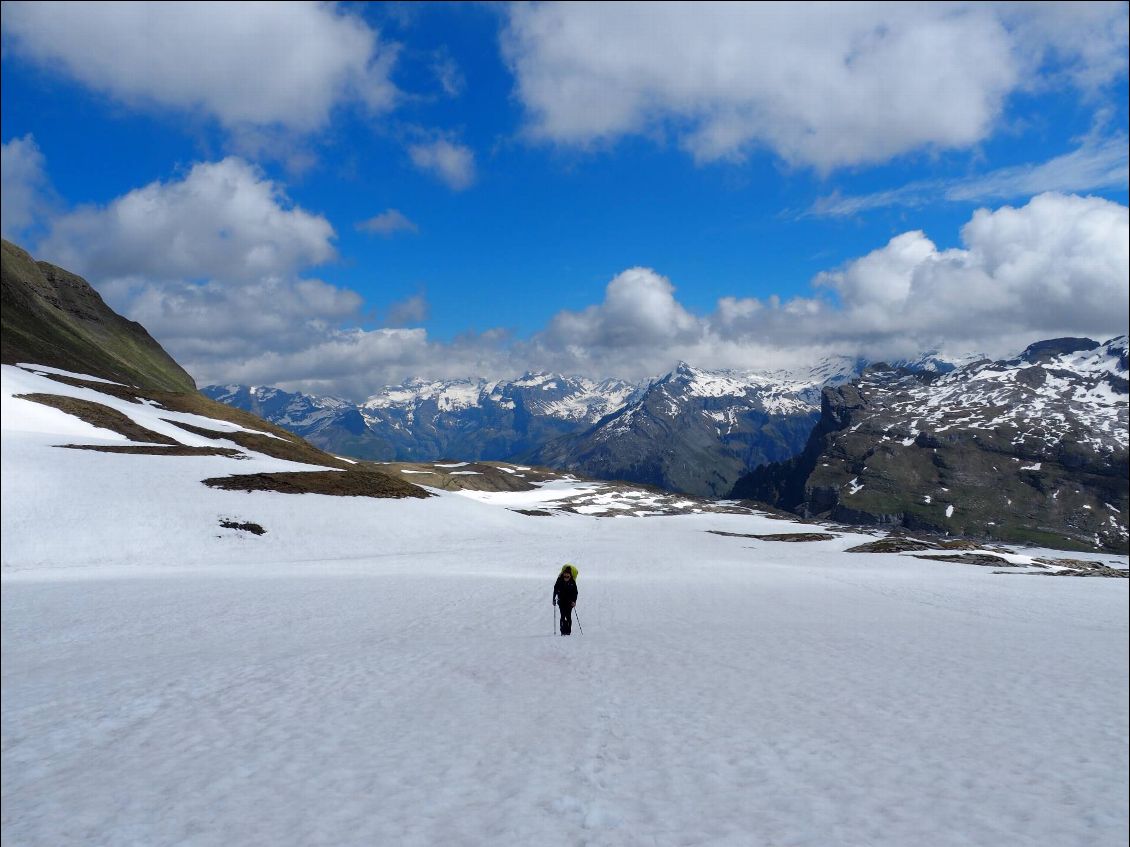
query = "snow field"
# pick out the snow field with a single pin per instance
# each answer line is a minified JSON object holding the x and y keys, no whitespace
{"x":384,"y":672}
{"x":719,"y":695}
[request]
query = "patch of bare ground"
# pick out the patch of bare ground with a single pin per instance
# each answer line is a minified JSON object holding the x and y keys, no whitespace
{"x":1082,"y":567}
{"x":781,"y":536}
{"x":982,"y":559}
{"x":534,"y":513}
{"x":907,"y":544}
{"x":247,"y":526}
{"x":471,"y":476}
{"x":101,"y":416}
{"x":959,"y":544}
{"x":286,"y":445}
{"x":354,"y":482}
{"x":195,"y":403}
{"x":179,"y":450}
{"x":291,"y":448}
{"x":123,"y":392}
{"x":892,"y":545}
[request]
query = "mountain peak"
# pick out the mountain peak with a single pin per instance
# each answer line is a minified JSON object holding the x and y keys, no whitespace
{"x":1052,"y":347}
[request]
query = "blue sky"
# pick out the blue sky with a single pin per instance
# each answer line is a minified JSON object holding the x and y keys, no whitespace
{"x":332,"y":197}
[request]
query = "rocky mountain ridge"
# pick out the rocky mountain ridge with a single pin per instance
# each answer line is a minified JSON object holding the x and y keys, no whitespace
{"x":1032,"y":448}
{"x":693,"y":431}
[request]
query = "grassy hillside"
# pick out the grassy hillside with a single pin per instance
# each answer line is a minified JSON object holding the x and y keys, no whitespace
{"x":53,"y":317}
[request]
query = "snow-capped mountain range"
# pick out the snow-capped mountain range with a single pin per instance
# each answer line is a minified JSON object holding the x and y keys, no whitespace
{"x":691,"y":430}
{"x":431,"y":419}
{"x":716,"y":424}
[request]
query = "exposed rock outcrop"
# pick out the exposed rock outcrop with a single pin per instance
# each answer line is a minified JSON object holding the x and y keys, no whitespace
{"x":1032,"y":449}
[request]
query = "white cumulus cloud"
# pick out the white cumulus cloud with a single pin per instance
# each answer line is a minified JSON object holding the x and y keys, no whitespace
{"x":824,"y":85}
{"x":388,"y":223}
{"x":24,"y":187}
{"x":639,"y":310}
{"x":246,"y":64}
{"x":1054,"y":267}
{"x":223,"y":220}
{"x":451,"y":163}
{"x":216,"y":265}
{"x":212,"y":264}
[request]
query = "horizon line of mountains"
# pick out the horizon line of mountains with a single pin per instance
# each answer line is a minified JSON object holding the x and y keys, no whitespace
{"x":1024,"y":449}
{"x":716,"y":425}
{"x":1031,"y":449}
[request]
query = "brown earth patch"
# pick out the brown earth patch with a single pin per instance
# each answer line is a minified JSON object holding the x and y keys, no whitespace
{"x":898,"y":543}
{"x":101,"y":416}
{"x":291,"y":448}
{"x":892,"y":545}
{"x":784,"y":536}
{"x":1084,"y":567}
{"x":355,"y":482}
{"x":470,"y":476}
{"x":534,"y":513}
{"x":287,"y":446}
{"x":983,"y":559}
{"x":123,"y":392}
{"x":798,"y":536}
{"x":179,"y":450}
{"x":1101,"y":570}
{"x":959,"y":544}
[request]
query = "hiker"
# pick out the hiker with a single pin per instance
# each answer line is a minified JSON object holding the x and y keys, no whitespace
{"x":565,"y":596}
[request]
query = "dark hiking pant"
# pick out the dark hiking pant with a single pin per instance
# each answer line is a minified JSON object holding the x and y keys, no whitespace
{"x":566,"y":618}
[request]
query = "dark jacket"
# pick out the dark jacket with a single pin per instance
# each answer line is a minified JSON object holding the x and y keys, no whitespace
{"x":565,"y":591}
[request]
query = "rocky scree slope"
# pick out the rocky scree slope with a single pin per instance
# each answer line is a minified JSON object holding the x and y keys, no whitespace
{"x":1032,"y":449}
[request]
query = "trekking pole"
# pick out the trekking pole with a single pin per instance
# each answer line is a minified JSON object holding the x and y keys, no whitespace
{"x":580,"y":628}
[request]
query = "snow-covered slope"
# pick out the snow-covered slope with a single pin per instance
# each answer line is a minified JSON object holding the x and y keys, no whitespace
{"x":384,"y":671}
{"x":1051,"y":397}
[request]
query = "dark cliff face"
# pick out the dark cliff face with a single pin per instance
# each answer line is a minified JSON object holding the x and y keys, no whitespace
{"x":1032,"y":449}
{"x":782,"y":484}
{"x":55,"y":318}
